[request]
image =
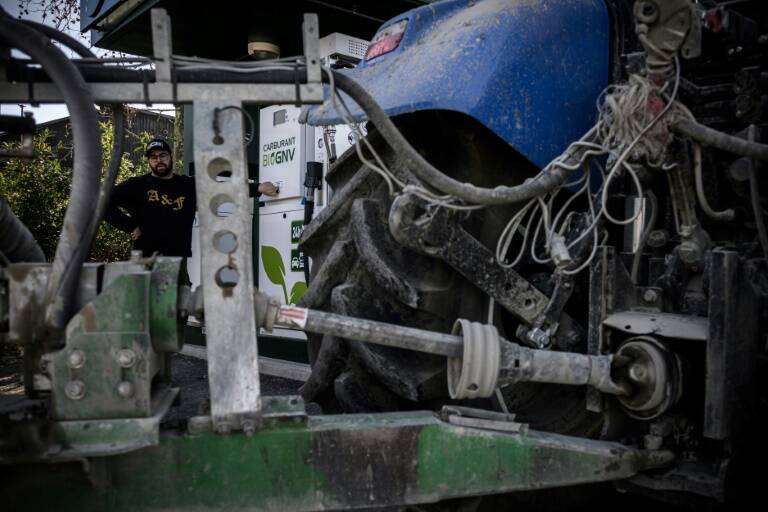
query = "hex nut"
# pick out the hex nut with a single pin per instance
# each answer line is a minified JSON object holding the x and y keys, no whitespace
{"x":74,"y":389}
{"x":126,"y":358}
{"x":76,"y":359}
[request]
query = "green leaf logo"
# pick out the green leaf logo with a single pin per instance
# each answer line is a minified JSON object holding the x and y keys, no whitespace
{"x":274,"y":267}
{"x":298,"y":291}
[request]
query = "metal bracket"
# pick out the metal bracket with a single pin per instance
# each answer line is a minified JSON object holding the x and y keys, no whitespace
{"x":311,"y":32}
{"x":98,"y":438}
{"x":481,"y":418}
{"x":435,"y":231}
{"x":227,"y":268}
{"x":161,"y":44}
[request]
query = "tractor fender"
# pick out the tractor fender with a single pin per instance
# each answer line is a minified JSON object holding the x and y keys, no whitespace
{"x":529,"y":70}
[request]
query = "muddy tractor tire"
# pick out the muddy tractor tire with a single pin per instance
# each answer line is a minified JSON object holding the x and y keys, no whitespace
{"x":358,"y":269}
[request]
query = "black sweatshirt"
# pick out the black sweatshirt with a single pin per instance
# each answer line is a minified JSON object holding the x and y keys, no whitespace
{"x":163,"y":210}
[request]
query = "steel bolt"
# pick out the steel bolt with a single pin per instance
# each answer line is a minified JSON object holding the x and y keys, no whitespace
{"x":75,"y":389}
{"x":249,"y":428}
{"x":125,"y":389}
{"x":76,"y":359}
{"x":638,"y":373}
{"x":126,"y":358}
{"x":650,"y":296}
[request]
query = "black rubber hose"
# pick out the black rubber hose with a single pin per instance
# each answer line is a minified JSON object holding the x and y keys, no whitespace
{"x":543,"y":183}
{"x":65,"y":39}
{"x":16,"y":241}
{"x":86,"y":167}
{"x":720,"y":140}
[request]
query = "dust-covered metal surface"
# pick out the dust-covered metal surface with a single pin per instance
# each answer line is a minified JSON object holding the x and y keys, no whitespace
{"x":333,"y":462}
{"x":550,"y":62}
{"x":227,"y":276}
{"x":26,"y":298}
{"x":437,"y":232}
{"x":668,"y":325}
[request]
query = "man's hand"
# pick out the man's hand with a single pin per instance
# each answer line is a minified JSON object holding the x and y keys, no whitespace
{"x":268,"y":189}
{"x":136,"y":233}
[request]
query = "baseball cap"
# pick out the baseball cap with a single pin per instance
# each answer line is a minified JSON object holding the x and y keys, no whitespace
{"x":157,"y":144}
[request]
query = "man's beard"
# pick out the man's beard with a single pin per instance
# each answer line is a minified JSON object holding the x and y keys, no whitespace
{"x":162,"y":172}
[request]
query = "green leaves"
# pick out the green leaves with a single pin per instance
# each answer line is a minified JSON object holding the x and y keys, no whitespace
{"x":274,"y":267}
{"x":273,"y":264}
{"x":297,"y":291}
{"x":38,"y":190}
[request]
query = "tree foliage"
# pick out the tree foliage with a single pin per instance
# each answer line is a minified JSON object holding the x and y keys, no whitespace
{"x":38,"y":192}
{"x":61,"y":14}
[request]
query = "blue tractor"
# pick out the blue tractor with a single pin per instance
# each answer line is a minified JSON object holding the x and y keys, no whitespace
{"x":557,"y":209}
{"x":471,"y":215}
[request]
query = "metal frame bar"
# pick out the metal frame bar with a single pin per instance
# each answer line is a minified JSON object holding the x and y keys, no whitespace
{"x":233,"y":365}
{"x":132,"y":92}
{"x":163,"y":90}
{"x":161,"y":44}
{"x":334,"y":462}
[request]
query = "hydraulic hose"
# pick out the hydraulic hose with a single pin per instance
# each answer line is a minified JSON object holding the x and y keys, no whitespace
{"x":725,"y":215}
{"x":86,"y":168}
{"x":105,"y":194}
{"x":720,"y":140}
{"x":543,"y":183}
{"x":16,"y":241}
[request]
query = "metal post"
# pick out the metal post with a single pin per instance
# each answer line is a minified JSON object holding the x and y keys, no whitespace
{"x":311,"y":33}
{"x":225,"y":242}
{"x":161,"y":44}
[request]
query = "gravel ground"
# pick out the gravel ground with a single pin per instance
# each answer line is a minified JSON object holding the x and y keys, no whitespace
{"x":191,"y":375}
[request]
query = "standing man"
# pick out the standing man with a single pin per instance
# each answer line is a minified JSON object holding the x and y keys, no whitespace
{"x":159,"y":207}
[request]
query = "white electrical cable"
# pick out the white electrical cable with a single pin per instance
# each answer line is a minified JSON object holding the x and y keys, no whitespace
{"x":617,"y":121}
